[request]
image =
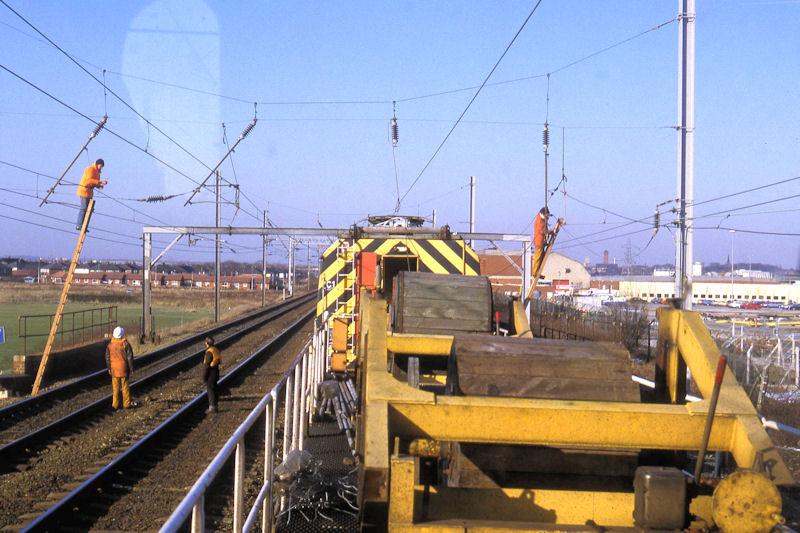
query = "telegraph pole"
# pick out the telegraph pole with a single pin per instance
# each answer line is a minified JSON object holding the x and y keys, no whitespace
{"x":308,"y":266}
{"x":471,"y":207}
{"x":290,"y":273}
{"x":684,"y":251}
{"x":216,"y":252}
{"x":264,"y":263}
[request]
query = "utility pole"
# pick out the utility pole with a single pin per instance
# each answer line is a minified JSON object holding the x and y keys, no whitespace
{"x":684,"y":252}
{"x":216,"y":252}
{"x":471,"y":207}
{"x":264,"y":263}
{"x":290,"y":273}
{"x":308,"y":266}
{"x":732,"y":232}
{"x":147,"y":316}
{"x":434,"y":225}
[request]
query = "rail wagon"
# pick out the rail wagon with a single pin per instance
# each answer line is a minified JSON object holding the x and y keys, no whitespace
{"x":467,"y":422}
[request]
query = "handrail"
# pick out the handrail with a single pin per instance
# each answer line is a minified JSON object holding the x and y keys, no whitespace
{"x":298,"y":385}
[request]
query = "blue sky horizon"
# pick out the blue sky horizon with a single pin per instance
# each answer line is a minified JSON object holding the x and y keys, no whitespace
{"x":325,"y":78}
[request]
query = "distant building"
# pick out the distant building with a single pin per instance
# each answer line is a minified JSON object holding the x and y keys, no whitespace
{"x":504,"y":271}
{"x":705,"y":288}
{"x":756,"y":274}
{"x":663,"y":273}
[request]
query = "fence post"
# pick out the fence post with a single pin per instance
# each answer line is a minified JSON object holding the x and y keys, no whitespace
{"x":796,"y":351}
{"x":238,"y":487}
{"x":747,"y":368}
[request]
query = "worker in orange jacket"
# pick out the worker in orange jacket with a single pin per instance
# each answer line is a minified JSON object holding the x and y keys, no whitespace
{"x":540,"y":237}
{"x":89,"y":181}
{"x":211,"y":361}
{"x":119,"y":361}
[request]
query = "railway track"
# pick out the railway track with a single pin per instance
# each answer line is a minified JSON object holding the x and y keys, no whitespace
{"x":28,"y":425}
{"x":101,"y":445}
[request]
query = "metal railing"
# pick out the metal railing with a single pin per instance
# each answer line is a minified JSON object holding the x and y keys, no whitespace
{"x":77,"y":327}
{"x":296,"y":394}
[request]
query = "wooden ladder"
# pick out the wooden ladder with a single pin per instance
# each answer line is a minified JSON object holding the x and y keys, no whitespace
{"x":548,"y":246}
{"x":62,"y":301}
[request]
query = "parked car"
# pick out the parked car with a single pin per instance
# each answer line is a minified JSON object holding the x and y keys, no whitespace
{"x":29,"y":280}
{"x":792,"y":307}
{"x":751,"y":305}
{"x":735,"y":304}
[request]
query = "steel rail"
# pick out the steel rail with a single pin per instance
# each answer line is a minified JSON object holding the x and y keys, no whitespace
{"x":63,"y":513}
{"x":190,"y":513}
{"x":12,"y":413}
{"x":40,"y":437}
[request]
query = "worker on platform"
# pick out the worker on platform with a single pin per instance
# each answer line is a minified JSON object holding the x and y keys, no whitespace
{"x":211,"y":362}
{"x":119,"y":361}
{"x":540,"y":234}
{"x":89,"y":181}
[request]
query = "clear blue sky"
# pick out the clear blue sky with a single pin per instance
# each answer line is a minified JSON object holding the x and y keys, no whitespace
{"x":334,"y":161}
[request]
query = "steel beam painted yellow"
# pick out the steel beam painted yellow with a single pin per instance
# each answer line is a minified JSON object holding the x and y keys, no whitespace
{"x":410,"y":343}
{"x":511,"y":505}
{"x":751,"y":445}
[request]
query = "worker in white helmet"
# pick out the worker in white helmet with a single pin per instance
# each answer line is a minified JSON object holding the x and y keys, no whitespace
{"x":119,"y":361}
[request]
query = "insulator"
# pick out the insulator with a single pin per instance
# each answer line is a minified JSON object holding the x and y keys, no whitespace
{"x":656,"y":220}
{"x":99,"y":127}
{"x":395,"y":131}
{"x":546,"y":136}
{"x":248,"y":129}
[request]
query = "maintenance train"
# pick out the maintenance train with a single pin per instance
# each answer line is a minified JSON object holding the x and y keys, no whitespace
{"x":468,"y":421}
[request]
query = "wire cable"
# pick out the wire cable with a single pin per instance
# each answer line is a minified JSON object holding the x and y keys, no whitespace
{"x":105,"y":87}
{"x":131,"y":143}
{"x":474,"y":96}
{"x":760,"y":187}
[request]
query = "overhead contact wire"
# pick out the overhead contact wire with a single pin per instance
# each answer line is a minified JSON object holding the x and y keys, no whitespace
{"x":474,"y":96}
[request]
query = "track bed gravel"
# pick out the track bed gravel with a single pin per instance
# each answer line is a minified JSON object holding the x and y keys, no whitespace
{"x":66,"y":462}
{"x":98,"y":389}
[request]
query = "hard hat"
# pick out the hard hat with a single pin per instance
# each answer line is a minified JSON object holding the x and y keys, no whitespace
{"x":119,"y":332}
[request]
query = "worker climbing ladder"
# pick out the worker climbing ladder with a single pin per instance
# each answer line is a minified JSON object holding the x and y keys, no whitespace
{"x":62,"y":301}
{"x":548,"y":247}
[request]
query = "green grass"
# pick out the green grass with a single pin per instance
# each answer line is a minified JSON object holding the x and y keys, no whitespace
{"x":128,"y":315}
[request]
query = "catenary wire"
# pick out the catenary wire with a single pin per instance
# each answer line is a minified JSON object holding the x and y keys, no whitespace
{"x":105,"y":87}
{"x":474,"y":96}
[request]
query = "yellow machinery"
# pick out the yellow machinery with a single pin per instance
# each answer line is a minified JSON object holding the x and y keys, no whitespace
{"x":467,"y":430}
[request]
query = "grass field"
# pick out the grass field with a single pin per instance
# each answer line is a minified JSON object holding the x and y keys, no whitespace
{"x":176,"y":311}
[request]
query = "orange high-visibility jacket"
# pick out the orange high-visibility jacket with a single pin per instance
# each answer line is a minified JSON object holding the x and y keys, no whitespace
{"x":212,"y":357}
{"x":90,"y":180}
{"x":119,"y":358}
{"x":539,"y":231}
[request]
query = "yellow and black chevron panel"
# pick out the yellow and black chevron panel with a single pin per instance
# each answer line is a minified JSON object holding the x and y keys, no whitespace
{"x":336,"y":289}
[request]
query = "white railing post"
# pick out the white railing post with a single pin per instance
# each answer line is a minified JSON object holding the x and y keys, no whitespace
{"x":269,"y":458}
{"x":287,"y":416}
{"x":238,"y":487}
{"x":303,"y":403}
{"x":199,"y":516}
{"x":747,"y":371}
{"x":296,"y":405}
{"x":313,"y":387}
